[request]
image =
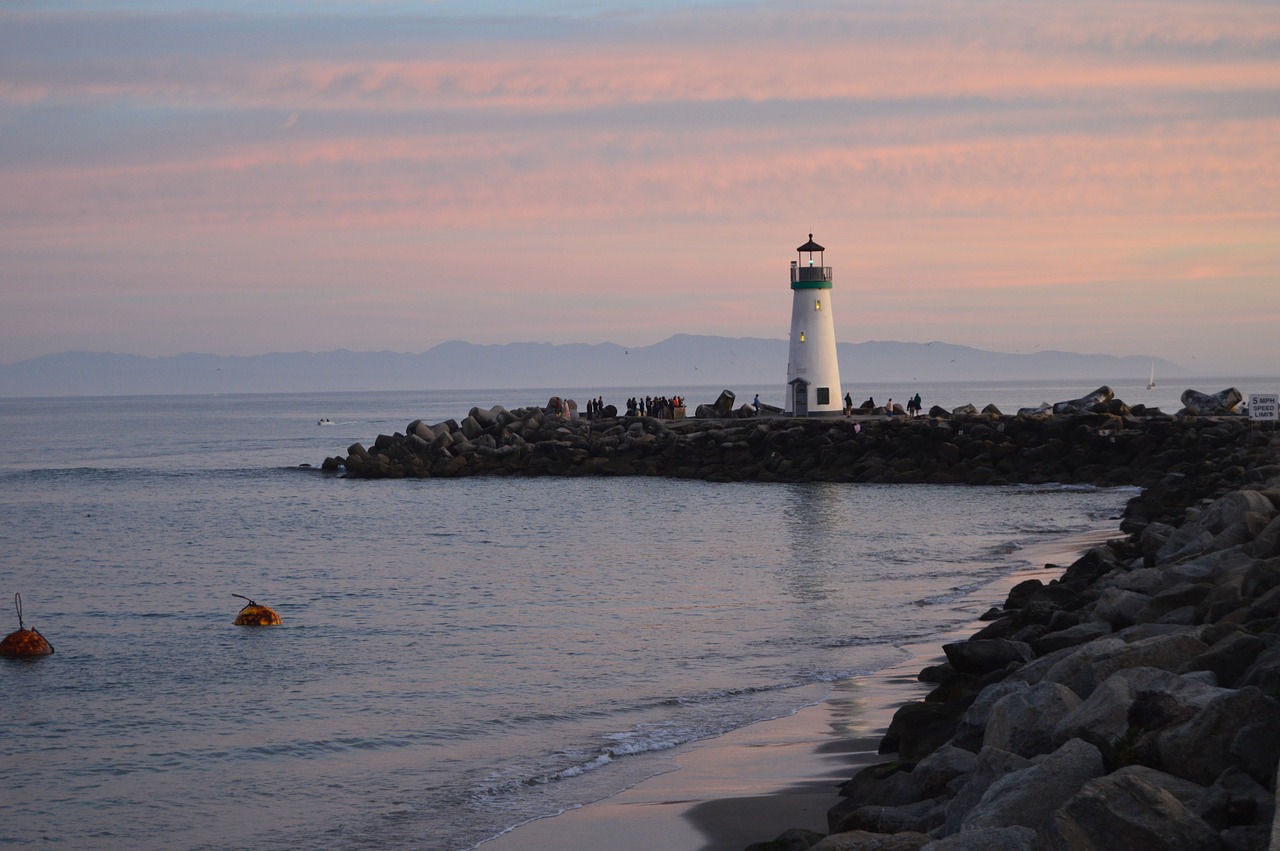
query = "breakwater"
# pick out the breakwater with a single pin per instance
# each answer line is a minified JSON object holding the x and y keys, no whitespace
{"x":1110,"y":446}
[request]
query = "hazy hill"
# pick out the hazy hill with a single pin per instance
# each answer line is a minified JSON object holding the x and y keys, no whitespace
{"x":681,"y":360}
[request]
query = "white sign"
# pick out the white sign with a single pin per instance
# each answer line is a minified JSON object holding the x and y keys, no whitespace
{"x":1263,"y":406}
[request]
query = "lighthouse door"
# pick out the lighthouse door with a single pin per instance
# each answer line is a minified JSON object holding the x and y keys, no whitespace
{"x":800,"y":397}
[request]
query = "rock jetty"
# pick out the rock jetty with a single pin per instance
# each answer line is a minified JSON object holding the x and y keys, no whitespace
{"x":1097,"y":440}
{"x":1132,"y":703}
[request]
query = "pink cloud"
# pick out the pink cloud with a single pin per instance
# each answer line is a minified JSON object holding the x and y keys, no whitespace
{"x":962,"y":161}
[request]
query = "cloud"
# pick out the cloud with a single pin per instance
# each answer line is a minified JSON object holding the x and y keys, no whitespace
{"x":966,"y":149}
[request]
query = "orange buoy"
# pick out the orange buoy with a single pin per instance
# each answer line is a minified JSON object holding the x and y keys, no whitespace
{"x":24,"y":643}
{"x":256,"y":615}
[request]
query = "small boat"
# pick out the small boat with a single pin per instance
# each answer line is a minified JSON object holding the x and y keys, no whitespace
{"x":325,"y":421}
{"x":1151,"y":384}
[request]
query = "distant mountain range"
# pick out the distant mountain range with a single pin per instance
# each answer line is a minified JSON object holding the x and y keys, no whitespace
{"x":681,"y":360}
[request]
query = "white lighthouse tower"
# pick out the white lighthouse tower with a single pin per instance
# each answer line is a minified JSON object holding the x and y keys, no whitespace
{"x":813,"y":373}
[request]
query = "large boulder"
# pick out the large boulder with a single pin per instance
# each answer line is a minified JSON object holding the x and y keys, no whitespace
{"x":1072,"y":636}
{"x":991,"y":765}
{"x":982,"y":656}
{"x":1104,"y":717}
{"x":1200,"y":404}
{"x":1023,"y":722}
{"x":1235,"y":507}
{"x":972,"y":728}
{"x":724,"y":403}
{"x":1234,"y":727}
{"x":1029,"y":797}
{"x":1229,"y":658}
{"x":1092,"y":663}
{"x":1102,"y":395}
{"x":918,"y":729}
{"x":1126,"y":810}
{"x":794,"y":839}
{"x":935,"y":772}
{"x":1014,"y":838}
{"x":862,"y":840}
{"x":1119,"y":607}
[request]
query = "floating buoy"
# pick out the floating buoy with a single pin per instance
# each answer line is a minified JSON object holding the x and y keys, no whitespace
{"x":256,"y":615}
{"x":25,"y":642}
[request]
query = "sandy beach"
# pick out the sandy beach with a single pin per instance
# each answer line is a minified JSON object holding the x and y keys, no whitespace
{"x":751,"y":784}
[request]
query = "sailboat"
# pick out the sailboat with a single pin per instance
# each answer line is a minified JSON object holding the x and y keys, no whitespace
{"x":1151,"y":385}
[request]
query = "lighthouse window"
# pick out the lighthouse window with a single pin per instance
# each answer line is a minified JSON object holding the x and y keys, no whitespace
{"x":823,"y":395}
{"x":817,"y":304}
{"x":802,"y":336}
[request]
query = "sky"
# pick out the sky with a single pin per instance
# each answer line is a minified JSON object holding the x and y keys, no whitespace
{"x":1016,"y":175}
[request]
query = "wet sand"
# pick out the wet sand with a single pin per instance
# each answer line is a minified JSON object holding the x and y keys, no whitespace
{"x":751,"y":784}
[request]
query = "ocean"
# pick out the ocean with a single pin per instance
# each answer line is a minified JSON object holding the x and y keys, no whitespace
{"x":456,"y":657}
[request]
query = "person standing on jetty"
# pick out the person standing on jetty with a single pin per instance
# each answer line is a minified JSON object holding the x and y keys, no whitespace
{"x":756,"y":403}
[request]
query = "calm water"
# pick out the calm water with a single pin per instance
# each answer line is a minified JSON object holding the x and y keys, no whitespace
{"x":456,"y":656}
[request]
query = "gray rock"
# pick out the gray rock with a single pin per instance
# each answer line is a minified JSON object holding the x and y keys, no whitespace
{"x":1154,"y":536}
{"x":1125,"y":810}
{"x":1119,"y":607}
{"x":1104,"y":716}
{"x":1072,"y":636}
{"x":991,"y":765}
{"x":1190,"y":540}
{"x":935,"y":772}
{"x":471,"y":428}
{"x":1203,"y":747}
{"x":1190,"y":795}
{"x":1023,"y":722}
{"x":1205,"y":404}
{"x":795,"y":839}
{"x":861,"y":840}
{"x":1037,"y":670}
{"x":1014,"y":838}
{"x":1264,"y":673}
{"x":982,"y":656}
{"x":1029,"y":797}
{"x":1236,"y":798}
{"x":1094,"y":662}
{"x":1148,"y":580}
{"x":1267,"y":543}
{"x":482,"y":416}
{"x":1234,"y":507}
{"x":917,"y":817}
{"x":973,"y":724}
{"x":1230,"y":657}
{"x":885,"y":785}
{"x":1084,"y":403}
{"x":1179,"y":595}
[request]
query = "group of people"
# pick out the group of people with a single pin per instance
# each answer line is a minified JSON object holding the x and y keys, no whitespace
{"x":914,"y":405}
{"x":661,"y":407}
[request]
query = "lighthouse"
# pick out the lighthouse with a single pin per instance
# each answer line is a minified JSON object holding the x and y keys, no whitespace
{"x":813,"y":373}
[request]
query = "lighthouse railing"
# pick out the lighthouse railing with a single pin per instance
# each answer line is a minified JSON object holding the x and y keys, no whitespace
{"x":810,"y":273}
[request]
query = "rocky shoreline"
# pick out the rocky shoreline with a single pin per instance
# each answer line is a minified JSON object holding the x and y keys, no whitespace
{"x":1132,"y":703}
